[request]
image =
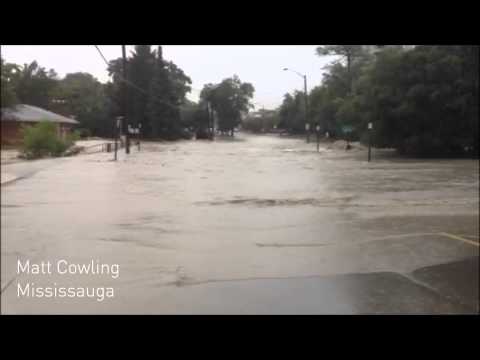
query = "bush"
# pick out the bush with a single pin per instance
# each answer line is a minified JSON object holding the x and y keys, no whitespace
{"x":72,"y":137}
{"x":42,"y":140}
{"x":84,"y":133}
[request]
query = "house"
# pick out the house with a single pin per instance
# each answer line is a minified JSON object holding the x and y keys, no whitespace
{"x":13,"y":118}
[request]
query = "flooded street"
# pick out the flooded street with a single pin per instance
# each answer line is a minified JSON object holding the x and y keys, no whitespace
{"x":257,"y":224}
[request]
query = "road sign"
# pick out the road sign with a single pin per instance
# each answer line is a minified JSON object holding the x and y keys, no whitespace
{"x":119,"y":121}
{"x":347,"y":129}
{"x":370,"y":126}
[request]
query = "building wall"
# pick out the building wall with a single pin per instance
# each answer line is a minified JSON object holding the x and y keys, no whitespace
{"x":11,"y":131}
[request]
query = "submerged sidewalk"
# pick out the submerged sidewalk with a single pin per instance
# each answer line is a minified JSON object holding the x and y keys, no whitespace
{"x":6,"y":178}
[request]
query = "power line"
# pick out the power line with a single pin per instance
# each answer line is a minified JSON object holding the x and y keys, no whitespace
{"x":119,"y":76}
{"x":130,"y":83}
{"x":101,"y":54}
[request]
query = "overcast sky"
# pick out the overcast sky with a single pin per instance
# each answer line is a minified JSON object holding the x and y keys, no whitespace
{"x":260,"y":65}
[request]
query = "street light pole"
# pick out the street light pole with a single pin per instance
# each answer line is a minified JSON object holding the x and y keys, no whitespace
{"x":304,"y":76}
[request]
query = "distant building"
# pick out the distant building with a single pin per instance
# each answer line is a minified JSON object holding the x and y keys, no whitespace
{"x":13,"y":118}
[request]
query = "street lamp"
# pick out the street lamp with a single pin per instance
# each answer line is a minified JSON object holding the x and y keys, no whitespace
{"x":307,"y":125}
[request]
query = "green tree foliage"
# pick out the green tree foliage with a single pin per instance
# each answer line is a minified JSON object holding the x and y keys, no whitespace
{"x":78,"y":95}
{"x":424,"y":99}
{"x":34,"y":85}
{"x":141,"y":68}
{"x":189,"y":114}
{"x":42,"y":140}
{"x":162,"y":112}
{"x":231,"y":100}
{"x":261,"y":121}
{"x":156,"y":89}
{"x":292,"y":113}
{"x":9,"y":76}
{"x":423,"y":102}
{"x":83,"y":97}
{"x":348,"y":53}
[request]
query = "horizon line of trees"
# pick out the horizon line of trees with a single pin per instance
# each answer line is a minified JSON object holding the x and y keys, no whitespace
{"x":422,"y":101}
{"x":156,"y":90}
{"x":156,"y":96}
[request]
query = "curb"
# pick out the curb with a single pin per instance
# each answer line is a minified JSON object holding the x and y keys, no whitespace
{"x":9,"y":179}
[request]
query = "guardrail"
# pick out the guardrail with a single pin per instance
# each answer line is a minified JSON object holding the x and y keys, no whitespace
{"x":103,"y":147}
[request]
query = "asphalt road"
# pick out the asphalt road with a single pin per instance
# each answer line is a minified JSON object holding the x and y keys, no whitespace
{"x":257,"y":225}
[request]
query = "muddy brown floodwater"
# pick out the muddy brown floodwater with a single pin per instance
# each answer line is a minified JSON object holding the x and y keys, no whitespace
{"x":258,"y":224}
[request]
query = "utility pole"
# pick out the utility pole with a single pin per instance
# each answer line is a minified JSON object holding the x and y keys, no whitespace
{"x":125,"y":101}
{"x":209,"y":121}
{"x":139,"y":128}
{"x":116,"y":133}
{"x":263,"y":118}
{"x":212,"y":121}
{"x":306,"y":108}
{"x":370,"y":127}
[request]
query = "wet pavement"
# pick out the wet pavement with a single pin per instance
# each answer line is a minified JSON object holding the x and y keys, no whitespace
{"x":258,"y":224}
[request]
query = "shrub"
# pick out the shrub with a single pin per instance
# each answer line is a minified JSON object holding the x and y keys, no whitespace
{"x":72,"y":137}
{"x":84,"y":133}
{"x":42,"y":140}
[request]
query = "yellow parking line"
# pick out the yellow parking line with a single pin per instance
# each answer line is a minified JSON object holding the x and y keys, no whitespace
{"x":456,"y":237}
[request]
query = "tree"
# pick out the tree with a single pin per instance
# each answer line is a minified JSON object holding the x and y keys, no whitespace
{"x":292,"y":112}
{"x":9,"y":77}
{"x":323,"y":109}
{"x":195,"y":117}
{"x":261,"y":121}
{"x":231,"y":100}
{"x":141,"y":68}
{"x":34,"y":85}
{"x":421,"y":101}
{"x":162,"y":113}
{"x":82,"y":96}
{"x":156,"y":90}
{"x":179,"y":82}
{"x":347,"y":52}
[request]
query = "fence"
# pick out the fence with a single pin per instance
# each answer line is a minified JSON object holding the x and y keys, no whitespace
{"x":102,"y":147}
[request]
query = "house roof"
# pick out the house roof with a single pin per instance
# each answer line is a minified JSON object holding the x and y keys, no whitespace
{"x":28,"y":113}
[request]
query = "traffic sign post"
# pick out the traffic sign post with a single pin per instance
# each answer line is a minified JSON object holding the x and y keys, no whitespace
{"x":307,"y":129}
{"x":370,"y":128}
{"x":347,"y":129}
{"x":139,"y":129}
{"x":317,"y":129}
{"x":118,"y":124}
